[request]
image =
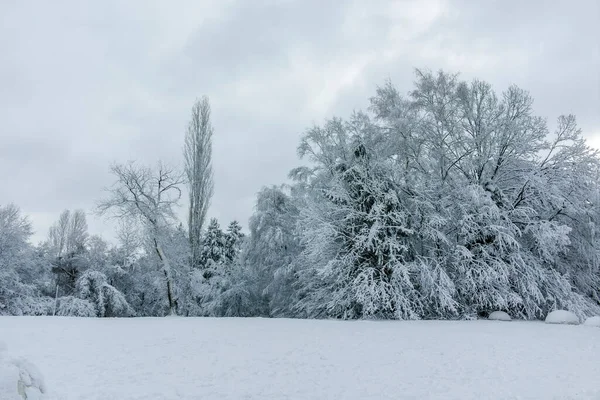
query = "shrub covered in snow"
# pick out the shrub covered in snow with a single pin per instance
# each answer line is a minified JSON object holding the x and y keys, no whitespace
{"x":562,"y":317}
{"x":70,"y":306}
{"x":499,"y":316}
{"x":593,"y":321}
{"x":93,"y":286}
{"x":28,"y":305}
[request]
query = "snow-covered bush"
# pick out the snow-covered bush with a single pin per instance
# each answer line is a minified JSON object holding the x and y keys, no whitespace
{"x":19,"y":299}
{"x":206,"y":286}
{"x":108,"y":301}
{"x":36,"y":305}
{"x":70,"y":306}
{"x":562,"y":317}
{"x":235,"y":297}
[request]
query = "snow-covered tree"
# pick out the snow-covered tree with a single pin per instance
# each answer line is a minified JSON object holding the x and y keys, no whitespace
{"x":500,"y":184}
{"x":148,"y":196}
{"x":454,"y":201}
{"x":234,"y":238}
{"x":356,"y":230}
{"x":270,"y":250}
{"x":209,"y":278}
{"x":258,"y":281}
{"x":129,"y":239}
{"x":450,"y":202}
{"x":198,"y":168}
{"x":69,"y":234}
{"x":213,"y":254}
{"x":97,"y":253}
{"x":16,"y":260}
{"x":223,"y":289}
{"x":67,"y":240}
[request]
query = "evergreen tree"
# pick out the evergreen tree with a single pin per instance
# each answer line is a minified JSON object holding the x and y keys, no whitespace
{"x":213,"y":254}
{"x":234,"y":238}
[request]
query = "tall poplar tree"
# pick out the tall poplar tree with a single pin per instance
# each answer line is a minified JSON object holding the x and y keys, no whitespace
{"x":198,"y":168}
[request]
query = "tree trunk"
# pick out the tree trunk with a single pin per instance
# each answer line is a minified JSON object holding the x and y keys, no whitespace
{"x":55,"y":300}
{"x":168,"y":278}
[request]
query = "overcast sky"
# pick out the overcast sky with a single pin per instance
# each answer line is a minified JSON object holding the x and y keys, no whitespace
{"x":87,"y":83}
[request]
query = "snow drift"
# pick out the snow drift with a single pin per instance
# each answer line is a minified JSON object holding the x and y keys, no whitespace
{"x":562,"y":317}
{"x":19,"y":379}
{"x":593,"y":321}
{"x":499,"y":316}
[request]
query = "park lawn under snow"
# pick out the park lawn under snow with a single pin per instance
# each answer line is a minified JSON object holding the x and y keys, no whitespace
{"x":264,"y":359}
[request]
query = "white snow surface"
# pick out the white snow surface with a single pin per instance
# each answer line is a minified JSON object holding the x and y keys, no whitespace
{"x":593,"y":321}
{"x":9,"y":376}
{"x":268,"y":359}
{"x":19,"y":378}
{"x":562,"y":317}
{"x":499,"y":316}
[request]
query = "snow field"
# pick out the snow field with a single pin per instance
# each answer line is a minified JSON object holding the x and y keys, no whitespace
{"x":264,"y":359}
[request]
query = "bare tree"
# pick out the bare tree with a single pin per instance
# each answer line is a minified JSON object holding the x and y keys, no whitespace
{"x":148,"y":196}
{"x":129,"y":242}
{"x":67,"y":240}
{"x":78,"y":231}
{"x":198,"y":168}
{"x":69,"y":233}
{"x":57,"y":235}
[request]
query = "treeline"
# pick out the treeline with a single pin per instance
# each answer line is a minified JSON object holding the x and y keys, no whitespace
{"x":449,"y":202}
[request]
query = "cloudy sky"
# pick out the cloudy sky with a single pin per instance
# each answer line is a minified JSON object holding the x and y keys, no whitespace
{"x":87,"y":83}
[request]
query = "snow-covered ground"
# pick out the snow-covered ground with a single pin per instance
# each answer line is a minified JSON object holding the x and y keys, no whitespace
{"x":264,"y":359}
